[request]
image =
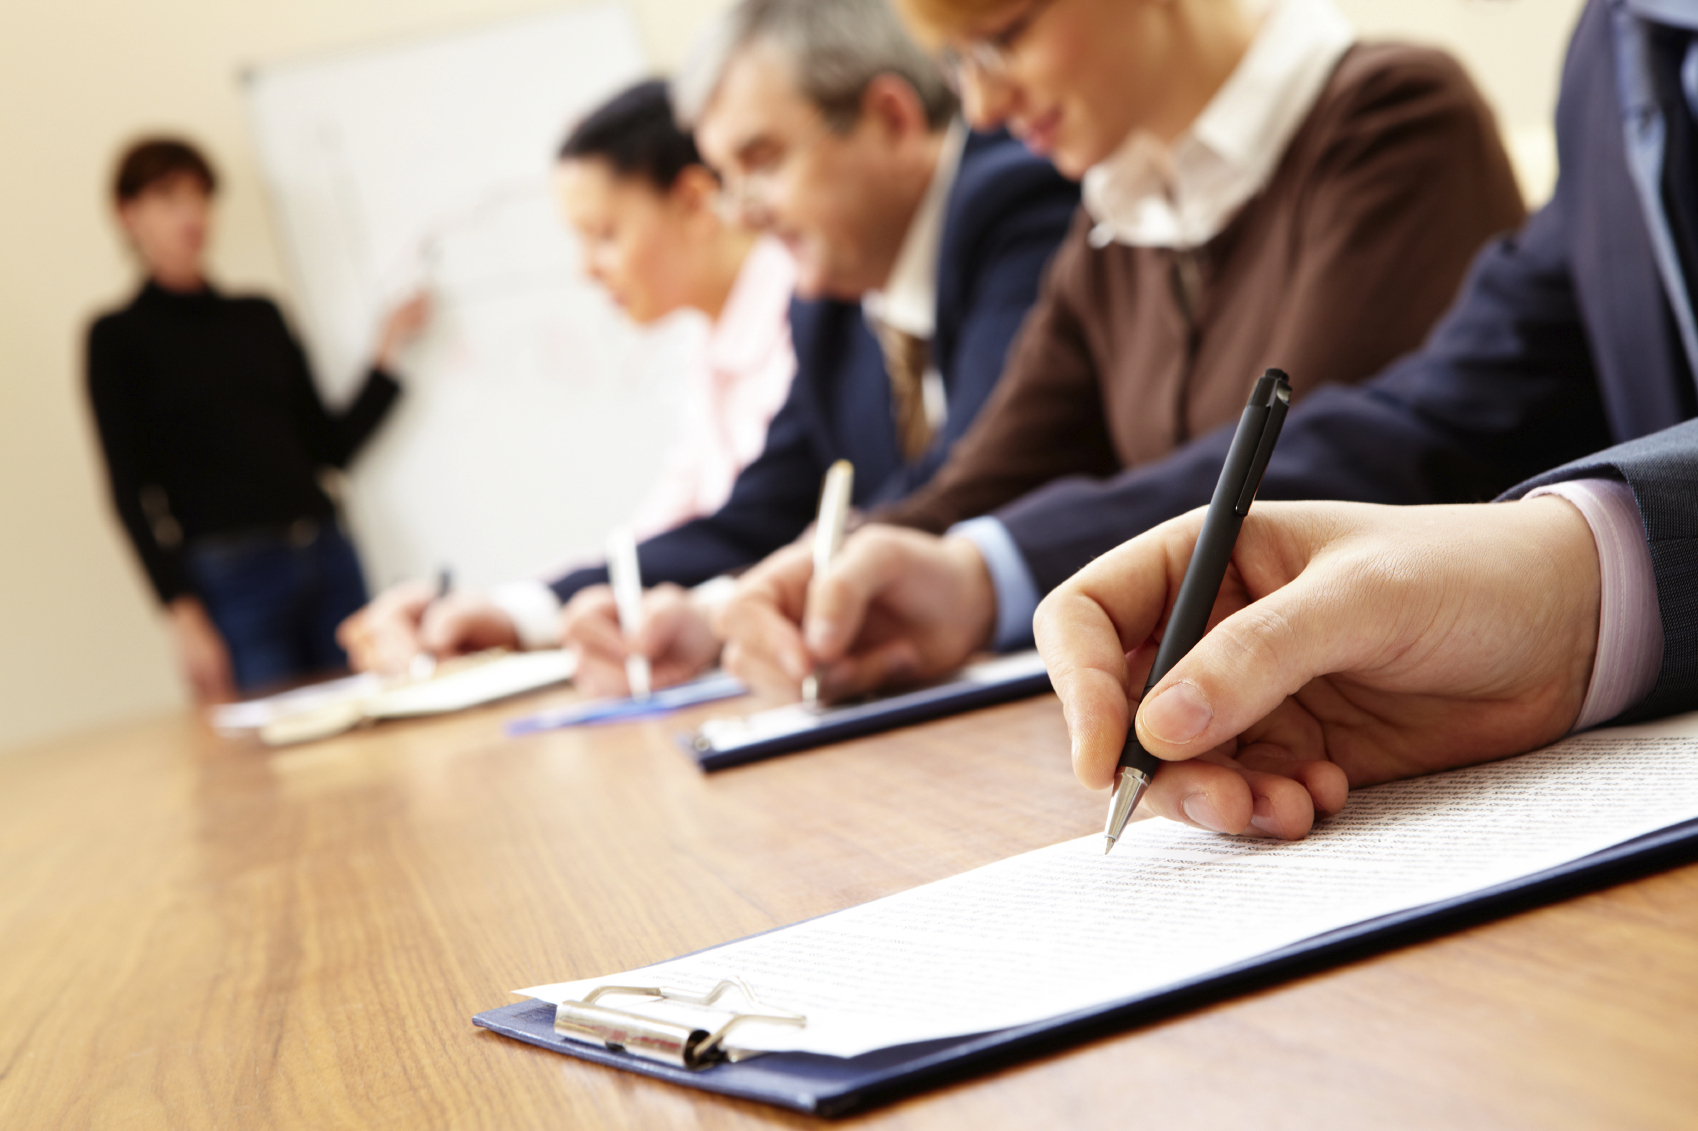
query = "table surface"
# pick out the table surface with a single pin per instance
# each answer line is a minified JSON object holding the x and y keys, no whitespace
{"x":198,"y":932}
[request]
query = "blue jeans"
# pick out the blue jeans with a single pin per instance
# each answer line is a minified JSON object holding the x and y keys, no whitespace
{"x":277,"y":598}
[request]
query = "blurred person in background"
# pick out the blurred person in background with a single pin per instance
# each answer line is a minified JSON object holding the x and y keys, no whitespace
{"x":649,"y":216}
{"x":920,"y":246}
{"x":654,"y":234}
{"x":215,"y":440}
{"x":1260,"y":189}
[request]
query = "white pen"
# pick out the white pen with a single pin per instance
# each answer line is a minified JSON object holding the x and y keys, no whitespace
{"x":626,"y":577}
{"x":828,"y":536}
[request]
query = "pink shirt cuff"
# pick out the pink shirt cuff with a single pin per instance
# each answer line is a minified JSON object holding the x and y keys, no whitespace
{"x":1630,"y":626}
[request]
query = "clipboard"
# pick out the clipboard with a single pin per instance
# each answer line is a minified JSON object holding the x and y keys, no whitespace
{"x":832,"y":1086}
{"x":722,"y":743}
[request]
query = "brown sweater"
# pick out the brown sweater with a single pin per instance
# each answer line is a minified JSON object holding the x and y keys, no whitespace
{"x":1343,"y":261}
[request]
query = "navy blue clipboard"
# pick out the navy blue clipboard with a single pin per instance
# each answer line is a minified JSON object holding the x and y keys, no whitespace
{"x":831,"y":1086}
{"x":721,"y":743}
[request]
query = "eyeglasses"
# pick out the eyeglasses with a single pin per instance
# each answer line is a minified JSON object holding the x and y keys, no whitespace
{"x":991,"y":56}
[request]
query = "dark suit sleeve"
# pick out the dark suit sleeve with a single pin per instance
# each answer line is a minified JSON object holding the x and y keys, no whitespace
{"x":1006,"y":261}
{"x":333,"y":439}
{"x":1503,"y":389}
{"x":1662,"y":471}
{"x":112,"y":384}
{"x":771,"y":503}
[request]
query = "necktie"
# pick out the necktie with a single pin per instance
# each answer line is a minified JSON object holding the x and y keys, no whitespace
{"x":906,"y":358}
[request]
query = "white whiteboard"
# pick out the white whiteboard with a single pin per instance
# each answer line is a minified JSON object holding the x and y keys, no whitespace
{"x":534,"y":416}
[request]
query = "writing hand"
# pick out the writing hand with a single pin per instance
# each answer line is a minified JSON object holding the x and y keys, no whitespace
{"x":1351,"y":644}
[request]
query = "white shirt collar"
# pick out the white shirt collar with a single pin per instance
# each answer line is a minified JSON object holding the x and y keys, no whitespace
{"x":908,"y":300}
{"x":1145,"y":194}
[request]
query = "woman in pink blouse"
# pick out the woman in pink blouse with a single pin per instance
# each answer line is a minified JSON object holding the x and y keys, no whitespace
{"x":647,"y":213}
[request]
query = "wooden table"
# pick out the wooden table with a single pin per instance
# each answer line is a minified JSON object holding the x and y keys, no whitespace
{"x":196,"y":932}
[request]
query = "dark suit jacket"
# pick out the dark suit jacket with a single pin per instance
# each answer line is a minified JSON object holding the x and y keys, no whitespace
{"x":1006,"y":213}
{"x":1561,"y":343}
{"x":1662,"y":470}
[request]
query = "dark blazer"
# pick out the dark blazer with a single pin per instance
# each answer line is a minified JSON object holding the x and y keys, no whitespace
{"x":1561,"y":343}
{"x":1662,"y":470}
{"x":1006,"y":213}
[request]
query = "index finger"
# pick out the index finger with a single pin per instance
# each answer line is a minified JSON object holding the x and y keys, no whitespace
{"x":1086,"y":627}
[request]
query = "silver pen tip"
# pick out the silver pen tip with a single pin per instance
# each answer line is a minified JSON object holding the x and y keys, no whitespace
{"x":1108,"y":846}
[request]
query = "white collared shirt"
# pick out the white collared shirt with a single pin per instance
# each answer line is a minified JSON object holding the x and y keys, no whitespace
{"x":908,"y":300}
{"x":1149,"y":195}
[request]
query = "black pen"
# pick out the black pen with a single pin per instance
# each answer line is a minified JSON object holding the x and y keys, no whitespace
{"x":1246,"y":460}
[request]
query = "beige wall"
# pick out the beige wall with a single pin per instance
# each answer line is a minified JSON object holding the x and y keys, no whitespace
{"x":83,"y":645}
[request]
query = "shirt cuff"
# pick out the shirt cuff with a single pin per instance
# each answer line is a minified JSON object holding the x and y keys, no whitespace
{"x":1016,"y":591}
{"x":534,"y":610}
{"x":1630,"y":625}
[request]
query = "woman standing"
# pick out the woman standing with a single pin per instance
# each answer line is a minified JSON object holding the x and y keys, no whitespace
{"x":215,"y":438}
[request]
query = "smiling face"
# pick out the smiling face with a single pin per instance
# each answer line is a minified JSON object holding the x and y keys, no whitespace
{"x":168,"y":224}
{"x":634,"y":236}
{"x":1078,"y":76}
{"x":840,"y":201}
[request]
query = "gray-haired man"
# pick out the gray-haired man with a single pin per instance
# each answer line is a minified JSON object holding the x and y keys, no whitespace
{"x":920,"y":248}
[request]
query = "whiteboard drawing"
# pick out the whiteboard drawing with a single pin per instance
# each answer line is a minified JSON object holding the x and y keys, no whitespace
{"x":535,"y":417}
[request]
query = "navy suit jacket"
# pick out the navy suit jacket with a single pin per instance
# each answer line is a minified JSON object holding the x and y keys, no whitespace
{"x":1006,"y":213}
{"x":1561,"y":343}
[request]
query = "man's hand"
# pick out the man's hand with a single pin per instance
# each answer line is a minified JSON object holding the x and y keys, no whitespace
{"x":1351,"y":644}
{"x":897,"y":606}
{"x":675,"y":635}
{"x":201,"y":652}
{"x":407,"y":619}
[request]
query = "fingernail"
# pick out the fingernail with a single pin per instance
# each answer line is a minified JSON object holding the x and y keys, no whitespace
{"x":1262,"y":819}
{"x":1201,"y":811}
{"x":1178,"y":714}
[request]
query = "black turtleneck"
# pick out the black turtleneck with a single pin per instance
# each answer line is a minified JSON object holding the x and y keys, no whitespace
{"x":205,"y":405}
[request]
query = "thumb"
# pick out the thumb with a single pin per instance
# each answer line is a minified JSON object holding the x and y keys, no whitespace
{"x":1249,"y":663}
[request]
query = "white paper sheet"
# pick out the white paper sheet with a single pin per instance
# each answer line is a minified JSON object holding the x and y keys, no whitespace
{"x":251,"y":714}
{"x":477,"y":684}
{"x":323,"y":709}
{"x":1066,"y":927}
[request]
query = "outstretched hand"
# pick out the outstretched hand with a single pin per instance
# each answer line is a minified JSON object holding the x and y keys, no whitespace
{"x":1350,"y":644}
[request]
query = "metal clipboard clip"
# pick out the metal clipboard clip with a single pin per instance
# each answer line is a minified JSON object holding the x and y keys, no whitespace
{"x":670,"y":1042}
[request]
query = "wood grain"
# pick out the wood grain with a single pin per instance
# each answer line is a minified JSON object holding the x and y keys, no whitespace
{"x":196,"y":932}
